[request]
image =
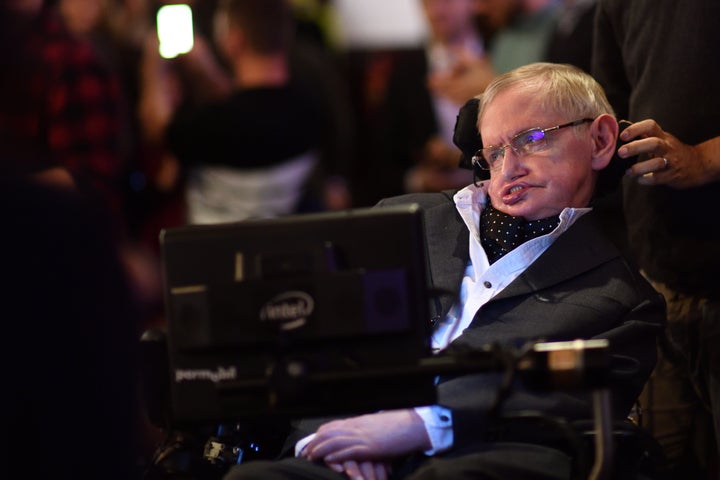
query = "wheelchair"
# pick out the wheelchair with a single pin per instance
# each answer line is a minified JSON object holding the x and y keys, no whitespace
{"x":601,"y":449}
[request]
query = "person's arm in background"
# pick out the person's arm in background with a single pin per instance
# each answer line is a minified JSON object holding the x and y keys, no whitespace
{"x":160,"y":96}
{"x":160,"y":92}
{"x":209,"y":79}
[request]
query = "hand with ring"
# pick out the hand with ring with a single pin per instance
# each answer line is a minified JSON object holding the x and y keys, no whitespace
{"x":668,"y":161}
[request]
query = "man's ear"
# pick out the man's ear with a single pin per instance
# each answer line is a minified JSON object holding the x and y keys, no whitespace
{"x":604,"y":131}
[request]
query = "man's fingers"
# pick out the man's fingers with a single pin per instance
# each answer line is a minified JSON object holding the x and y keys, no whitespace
{"x":364,"y":470}
{"x":352,"y":470}
{"x":643,"y":128}
{"x":336,"y":450}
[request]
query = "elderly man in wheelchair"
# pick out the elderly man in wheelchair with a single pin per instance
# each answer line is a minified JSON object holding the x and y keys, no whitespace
{"x":518,"y":268}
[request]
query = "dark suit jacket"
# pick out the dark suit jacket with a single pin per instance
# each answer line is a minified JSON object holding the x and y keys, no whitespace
{"x":579,"y":288}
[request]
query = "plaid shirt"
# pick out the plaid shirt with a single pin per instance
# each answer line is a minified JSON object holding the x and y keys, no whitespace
{"x":65,"y":109}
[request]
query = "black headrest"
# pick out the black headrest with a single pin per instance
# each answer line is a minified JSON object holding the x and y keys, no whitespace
{"x":466,"y":136}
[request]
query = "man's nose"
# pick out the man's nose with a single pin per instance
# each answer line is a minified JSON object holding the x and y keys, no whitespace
{"x":510,"y":163}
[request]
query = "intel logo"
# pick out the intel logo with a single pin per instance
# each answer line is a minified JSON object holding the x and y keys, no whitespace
{"x":289,"y":308}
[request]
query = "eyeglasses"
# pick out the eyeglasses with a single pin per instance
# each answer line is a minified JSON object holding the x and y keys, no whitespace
{"x":524,"y":143}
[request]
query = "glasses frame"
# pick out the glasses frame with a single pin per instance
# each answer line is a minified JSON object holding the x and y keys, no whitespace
{"x":480,"y":160}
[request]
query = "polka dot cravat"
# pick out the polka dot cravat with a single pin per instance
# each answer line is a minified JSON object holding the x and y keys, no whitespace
{"x":500,"y":233}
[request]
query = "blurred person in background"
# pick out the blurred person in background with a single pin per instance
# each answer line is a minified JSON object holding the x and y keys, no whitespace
{"x":522,"y":30}
{"x":318,"y":65}
{"x":518,"y":32}
{"x":62,"y":109}
{"x":62,"y":117}
{"x":453,"y":39}
{"x":255,"y":151}
{"x":414,"y":126}
{"x":71,"y":331}
{"x":60,"y":105}
{"x":659,"y":65}
{"x":471,"y":41}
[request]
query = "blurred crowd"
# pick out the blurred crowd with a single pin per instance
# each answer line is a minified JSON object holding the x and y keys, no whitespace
{"x":89,"y":102}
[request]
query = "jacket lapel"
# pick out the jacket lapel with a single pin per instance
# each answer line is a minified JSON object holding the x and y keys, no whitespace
{"x":581,"y":248}
{"x":447,"y":243}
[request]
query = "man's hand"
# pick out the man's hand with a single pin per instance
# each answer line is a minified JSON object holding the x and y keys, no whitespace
{"x":670,"y":162}
{"x":376,"y":437}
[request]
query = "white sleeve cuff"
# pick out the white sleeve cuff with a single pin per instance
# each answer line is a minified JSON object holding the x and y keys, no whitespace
{"x":438,"y":424}
{"x":302,"y":443}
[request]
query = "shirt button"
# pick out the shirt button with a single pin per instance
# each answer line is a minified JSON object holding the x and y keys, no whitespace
{"x":487,"y":284}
